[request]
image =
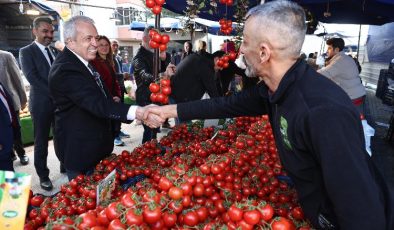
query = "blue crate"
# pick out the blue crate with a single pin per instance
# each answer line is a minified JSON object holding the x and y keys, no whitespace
{"x":132,"y":181}
{"x":285,"y":179}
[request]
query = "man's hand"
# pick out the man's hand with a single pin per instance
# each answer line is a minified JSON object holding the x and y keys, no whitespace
{"x":170,"y":70}
{"x":150,"y":119}
{"x":116,"y":99}
{"x":163,"y":112}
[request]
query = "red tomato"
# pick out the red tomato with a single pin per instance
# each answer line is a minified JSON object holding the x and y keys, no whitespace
{"x":88,"y":220}
{"x":235,"y":213}
{"x":252,"y":217}
{"x":156,"y":38}
{"x":202,"y":213}
{"x":156,"y":9}
{"x":281,"y":223}
{"x":152,"y":31}
{"x":267,"y":212}
{"x":154,"y":88}
{"x":151,"y":216}
{"x":150,"y":3}
{"x":112,"y":211}
{"x":134,"y":219}
{"x":116,"y":225}
{"x":160,"y":2}
{"x":169,"y":219}
{"x":190,"y":219}
{"x":165,"y":39}
{"x":297,"y":213}
{"x":166,"y":90}
{"x":102,"y":219}
{"x":36,"y":201}
{"x":153,"y":97}
{"x":165,"y":82}
{"x":153,"y":44}
{"x":165,"y":184}
{"x":175,"y":193}
{"x":162,"y":47}
{"x":198,"y":190}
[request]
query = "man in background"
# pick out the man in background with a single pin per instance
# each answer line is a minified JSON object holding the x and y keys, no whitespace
{"x":143,"y":74}
{"x":12,"y":81}
{"x":121,"y":77}
{"x":343,"y":71}
{"x":36,"y":60}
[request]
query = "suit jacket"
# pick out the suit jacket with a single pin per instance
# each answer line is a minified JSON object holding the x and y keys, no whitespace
{"x":83,"y":114}
{"x":7,"y":130}
{"x":12,"y":80}
{"x":194,"y":76}
{"x":36,"y":69}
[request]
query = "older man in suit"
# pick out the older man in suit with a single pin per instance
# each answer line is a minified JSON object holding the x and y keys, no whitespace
{"x":84,"y":107}
{"x":36,"y":60}
{"x":13,"y":83}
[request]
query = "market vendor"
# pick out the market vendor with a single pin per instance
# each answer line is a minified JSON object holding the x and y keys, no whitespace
{"x":317,"y":129}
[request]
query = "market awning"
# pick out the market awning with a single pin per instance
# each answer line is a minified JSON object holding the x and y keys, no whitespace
{"x":371,"y":12}
{"x":166,"y":24}
{"x":169,"y":24}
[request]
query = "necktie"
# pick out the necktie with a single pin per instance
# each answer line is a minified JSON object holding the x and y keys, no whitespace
{"x":49,"y":55}
{"x":13,"y":115}
{"x":97,"y":78}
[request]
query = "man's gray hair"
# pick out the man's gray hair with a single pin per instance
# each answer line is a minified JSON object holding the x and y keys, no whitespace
{"x":43,"y":19}
{"x":70,"y":26}
{"x":282,"y":20}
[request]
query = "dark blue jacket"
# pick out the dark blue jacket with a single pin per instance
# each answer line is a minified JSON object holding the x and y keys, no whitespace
{"x":321,"y":145}
{"x":7,"y":131}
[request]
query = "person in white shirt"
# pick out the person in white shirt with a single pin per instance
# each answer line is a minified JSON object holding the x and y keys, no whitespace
{"x":343,"y":70}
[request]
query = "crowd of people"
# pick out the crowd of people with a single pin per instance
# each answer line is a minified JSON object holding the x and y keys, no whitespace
{"x":78,"y":92}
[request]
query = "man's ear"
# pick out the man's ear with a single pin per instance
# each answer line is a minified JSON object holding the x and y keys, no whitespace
{"x":265,"y":52}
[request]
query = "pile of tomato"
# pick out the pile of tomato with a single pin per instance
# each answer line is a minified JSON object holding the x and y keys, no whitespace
{"x":201,"y":178}
{"x":160,"y":91}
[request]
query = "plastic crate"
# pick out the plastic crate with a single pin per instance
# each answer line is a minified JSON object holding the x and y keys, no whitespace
{"x":132,"y":181}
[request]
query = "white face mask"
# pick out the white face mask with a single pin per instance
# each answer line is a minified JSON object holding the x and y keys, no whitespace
{"x":249,"y":69}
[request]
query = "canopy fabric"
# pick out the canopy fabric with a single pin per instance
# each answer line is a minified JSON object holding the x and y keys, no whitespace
{"x":166,"y":24}
{"x":380,"y":43}
{"x":370,"y":12}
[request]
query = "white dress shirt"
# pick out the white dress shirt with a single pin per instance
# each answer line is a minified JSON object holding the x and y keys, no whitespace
{"x":42,"y":48}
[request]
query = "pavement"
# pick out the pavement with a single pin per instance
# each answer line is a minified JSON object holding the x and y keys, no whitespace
{"x":377,"y":114}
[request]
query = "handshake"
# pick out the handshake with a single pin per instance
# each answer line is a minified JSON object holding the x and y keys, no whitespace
{"x":154,"y":115}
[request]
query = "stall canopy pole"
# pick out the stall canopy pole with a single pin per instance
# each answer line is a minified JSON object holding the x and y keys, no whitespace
{"x":358,"y":45}
{"x":156,"y":60}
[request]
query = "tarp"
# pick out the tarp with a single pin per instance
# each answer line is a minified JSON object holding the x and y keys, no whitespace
{"x":380,"y":43}
{"x":166,"y":24}
{"x":370,"y":12}
{"x":169,"y":24}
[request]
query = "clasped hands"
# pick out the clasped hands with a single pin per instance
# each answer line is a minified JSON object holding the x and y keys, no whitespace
{"x":154,"y":116}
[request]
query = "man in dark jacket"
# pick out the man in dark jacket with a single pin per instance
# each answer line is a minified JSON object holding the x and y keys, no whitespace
{"x":317,"y":130}
{"x":143,"y":72}
{"x":84,"y":107}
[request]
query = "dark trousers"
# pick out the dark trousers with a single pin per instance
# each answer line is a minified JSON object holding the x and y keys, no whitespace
{"x":43,"y":119}
{"x":18,"y":145}
{"x":6,"y":163}
{"x":149,"y":133}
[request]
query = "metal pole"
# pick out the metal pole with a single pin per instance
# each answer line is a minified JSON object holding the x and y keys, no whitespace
{"x":156,"y":61}
{"x":359,"y":38}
